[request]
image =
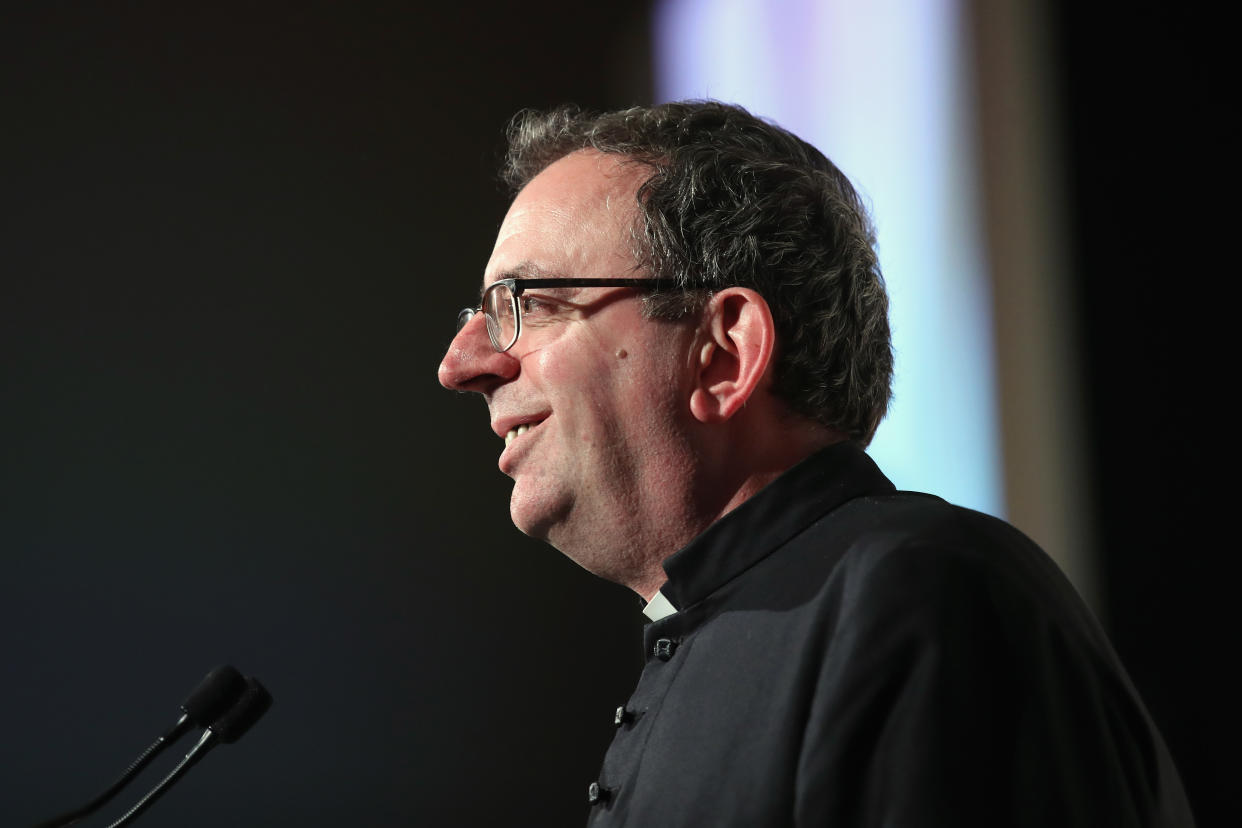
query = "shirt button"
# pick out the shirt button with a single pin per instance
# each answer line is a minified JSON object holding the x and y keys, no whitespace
{"x":596,"y":793}
{"x":664,"y":648}
{"x":622,"y":716}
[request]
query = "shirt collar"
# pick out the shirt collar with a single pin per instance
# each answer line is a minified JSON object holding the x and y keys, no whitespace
{"x":778,"y":512}
{"x":659,"y":607}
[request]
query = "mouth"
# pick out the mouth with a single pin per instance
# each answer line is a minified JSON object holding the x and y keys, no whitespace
{"x":519,"y":429}
{"x":515,"y":432}
{"x":510,"y":455}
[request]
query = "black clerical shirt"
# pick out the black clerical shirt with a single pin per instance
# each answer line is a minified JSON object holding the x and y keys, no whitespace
{"x":844,"y":654}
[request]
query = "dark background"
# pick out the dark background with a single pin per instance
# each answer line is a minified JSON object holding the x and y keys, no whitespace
{"x":233,"y":239}
{"x":1151,"y":199}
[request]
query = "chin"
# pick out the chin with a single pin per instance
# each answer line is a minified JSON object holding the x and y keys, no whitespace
{"x":532,"y":516}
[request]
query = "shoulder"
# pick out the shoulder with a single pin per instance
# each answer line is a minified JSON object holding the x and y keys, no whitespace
{"x":914,"y":565}
{"x":954,"y":660}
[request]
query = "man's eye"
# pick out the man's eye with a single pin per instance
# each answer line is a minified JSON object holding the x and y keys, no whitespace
{"x":535,"y":305}
{"x":538,"y":311}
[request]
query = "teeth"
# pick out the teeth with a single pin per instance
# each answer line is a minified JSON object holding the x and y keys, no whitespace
{"x":513,"y":433}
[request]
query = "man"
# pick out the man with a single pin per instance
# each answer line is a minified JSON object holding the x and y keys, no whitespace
{"x":683,"y":341}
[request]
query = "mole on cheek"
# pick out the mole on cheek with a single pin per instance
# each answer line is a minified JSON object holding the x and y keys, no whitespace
{"x":621,"y":354}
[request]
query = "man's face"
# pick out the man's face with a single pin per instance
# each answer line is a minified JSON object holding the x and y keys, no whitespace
{"x":597,"y":392}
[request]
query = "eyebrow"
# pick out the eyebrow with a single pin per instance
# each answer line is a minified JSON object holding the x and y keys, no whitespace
{"x":523,"y":270}
{"x":546,"y":281}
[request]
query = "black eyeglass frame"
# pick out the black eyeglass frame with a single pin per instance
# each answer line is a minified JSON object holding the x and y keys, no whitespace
{"x":518,"y":286}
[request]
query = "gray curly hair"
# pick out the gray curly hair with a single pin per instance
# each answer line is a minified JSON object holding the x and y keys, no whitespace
{"x":733,"y":200}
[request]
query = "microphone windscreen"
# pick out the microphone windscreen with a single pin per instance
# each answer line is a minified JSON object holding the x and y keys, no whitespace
{"x":214,"y":695}
{"x":253,"y":703}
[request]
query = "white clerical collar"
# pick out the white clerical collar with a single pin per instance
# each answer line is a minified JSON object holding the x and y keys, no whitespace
{"x":659,"y":607}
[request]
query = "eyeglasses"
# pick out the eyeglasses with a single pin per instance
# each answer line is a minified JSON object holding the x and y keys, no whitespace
{"x":503,"y":312}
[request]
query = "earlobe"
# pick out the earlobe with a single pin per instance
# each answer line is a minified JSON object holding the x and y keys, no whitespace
{"x":735,"y":355}
{"x":703,"y":406}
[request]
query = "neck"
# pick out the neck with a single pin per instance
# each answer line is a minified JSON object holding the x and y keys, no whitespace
{"x":722,"y":478}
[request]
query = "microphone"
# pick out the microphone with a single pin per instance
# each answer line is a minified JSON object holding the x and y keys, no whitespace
{"x":228,"y":728}
{"x":212,"y":698}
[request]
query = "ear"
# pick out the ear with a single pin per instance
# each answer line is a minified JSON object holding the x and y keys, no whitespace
{"x":733,"y":354}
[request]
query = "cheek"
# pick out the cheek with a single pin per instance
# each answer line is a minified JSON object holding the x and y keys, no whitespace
{"x":597,"y":398}
{"x":568,"y":372}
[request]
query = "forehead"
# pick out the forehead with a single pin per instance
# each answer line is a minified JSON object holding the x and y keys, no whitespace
{"x":575,"y":218}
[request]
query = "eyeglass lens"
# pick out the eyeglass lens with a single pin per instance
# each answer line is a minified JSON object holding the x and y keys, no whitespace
{"x":499,"y":313}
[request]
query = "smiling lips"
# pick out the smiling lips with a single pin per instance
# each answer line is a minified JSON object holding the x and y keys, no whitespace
{"x":514,"y":432}
{"x":522,"y":428}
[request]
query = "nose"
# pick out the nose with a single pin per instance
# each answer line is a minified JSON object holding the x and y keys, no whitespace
{"x":472,"y":364}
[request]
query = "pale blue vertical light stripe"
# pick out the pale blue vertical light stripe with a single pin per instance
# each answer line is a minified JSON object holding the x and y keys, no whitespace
{"x":882,"y":89}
